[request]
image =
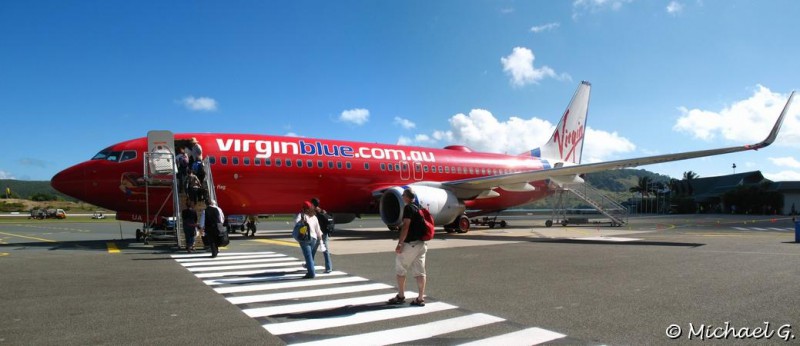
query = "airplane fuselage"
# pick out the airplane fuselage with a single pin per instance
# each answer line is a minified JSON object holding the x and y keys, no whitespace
{"x":256,"y":174}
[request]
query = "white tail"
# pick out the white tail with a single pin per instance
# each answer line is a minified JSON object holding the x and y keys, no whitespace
{"x":566,"y":143}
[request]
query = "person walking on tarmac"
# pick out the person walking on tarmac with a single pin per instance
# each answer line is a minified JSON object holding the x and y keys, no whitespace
{"x":326,"y":226}
{"x":251,"y":225}
{"x":309,"y":246}
{"x":410,"y":250}
{"x":189,"y":217}
{"x":211,"y":219}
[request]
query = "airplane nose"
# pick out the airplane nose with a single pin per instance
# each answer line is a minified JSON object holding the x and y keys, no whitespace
{"x":70,"y":182}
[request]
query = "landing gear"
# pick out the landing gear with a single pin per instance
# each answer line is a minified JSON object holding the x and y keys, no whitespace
{"x":463,"y":224}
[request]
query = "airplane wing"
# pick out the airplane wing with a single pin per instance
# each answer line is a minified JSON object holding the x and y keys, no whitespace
{"x":473,"y":186}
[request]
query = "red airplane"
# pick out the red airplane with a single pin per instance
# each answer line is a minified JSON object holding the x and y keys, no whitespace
{"x":257,"y":174}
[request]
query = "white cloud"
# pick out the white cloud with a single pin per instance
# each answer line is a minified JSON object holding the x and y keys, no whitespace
{"x":200,"y":104}
{"x":783,"y":176}
{"x":519,"y":65}
{"x":292,"y":134}
{"x":788,"y":161}
{"x":748,"y":120}
{"x":404,"y":123}
{"x":580,"y":7}
{"x":674,"y":8}
{"x":543,"y":28}
{"x":6,"y":175}
{"x":403,"y":140}
{"x":507,"y":10}
{"x":481,"y":131}
{"x":601,"y":145}
{"x":358,"y":116}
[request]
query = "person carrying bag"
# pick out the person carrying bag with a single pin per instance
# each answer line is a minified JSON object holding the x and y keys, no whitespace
{"x":307,"y":232}
{"x":214,"y":232}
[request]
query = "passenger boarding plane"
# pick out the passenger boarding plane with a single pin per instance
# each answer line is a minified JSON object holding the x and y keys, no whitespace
{"x":257,"y":174}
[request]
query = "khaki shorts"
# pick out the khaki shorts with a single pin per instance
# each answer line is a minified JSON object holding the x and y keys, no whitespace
{"x":413,"y":255}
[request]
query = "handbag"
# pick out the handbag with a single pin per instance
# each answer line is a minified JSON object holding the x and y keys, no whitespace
{"x":223,"y":237}
{"x":301,"y":232}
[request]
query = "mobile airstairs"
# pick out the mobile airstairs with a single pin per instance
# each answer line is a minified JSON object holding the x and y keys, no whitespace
{"x":616,"y":213}
{"x":159,"y":174}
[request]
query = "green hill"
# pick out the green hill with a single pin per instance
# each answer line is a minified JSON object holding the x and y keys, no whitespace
{"x":32,"y":190}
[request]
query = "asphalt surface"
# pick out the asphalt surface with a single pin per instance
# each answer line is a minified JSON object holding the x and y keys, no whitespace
{"x":718,"y":276}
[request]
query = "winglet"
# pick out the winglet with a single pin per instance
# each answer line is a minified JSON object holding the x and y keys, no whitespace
{"x":774,"y":133}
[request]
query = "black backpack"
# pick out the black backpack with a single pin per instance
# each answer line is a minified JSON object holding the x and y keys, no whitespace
{"x":325,"y":223}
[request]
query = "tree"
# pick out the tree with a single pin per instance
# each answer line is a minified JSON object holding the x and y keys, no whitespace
{"x":644,"y":187}
{"x":690,"y":176}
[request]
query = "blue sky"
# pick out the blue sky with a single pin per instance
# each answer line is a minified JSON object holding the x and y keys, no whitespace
{"x":667,"y":76}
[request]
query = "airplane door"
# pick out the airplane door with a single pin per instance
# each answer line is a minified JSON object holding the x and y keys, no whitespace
{"x":417,"y":171}
{"x":405,"y":171}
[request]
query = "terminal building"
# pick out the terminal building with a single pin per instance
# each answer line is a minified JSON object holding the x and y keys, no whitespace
{"x":742,"y":193}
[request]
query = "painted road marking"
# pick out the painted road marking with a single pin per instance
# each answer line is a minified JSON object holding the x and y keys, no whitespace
{"x":317,"y":298}
{"x":530,"y":336}
{"x":412,"y":333}
{"x":112,"y":247}
{"x":27,"y":237}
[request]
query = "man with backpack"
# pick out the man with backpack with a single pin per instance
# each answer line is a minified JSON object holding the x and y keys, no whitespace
{"x":410,"y":250}
{"x":326,"y":226}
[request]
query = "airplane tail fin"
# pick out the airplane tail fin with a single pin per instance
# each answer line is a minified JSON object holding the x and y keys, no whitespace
{"x":566,"y":143}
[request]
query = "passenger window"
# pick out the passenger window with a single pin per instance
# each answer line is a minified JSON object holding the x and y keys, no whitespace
{"x":383,"y":166}
{"x":278,"y":162}
{"x":425,"y":169}
{"x":299,"y":163}
{"x":366,"y":166}
{"x":348,"y":165}
{"x":391,"y":167}
{"x":246,"y":161}
{"x":330,"y":164}
{"x":288,"y":163}
{"x":397,"y":167}
{"x":267,"y":162}
{"x":339,"y":164}
{"x":223,"y":160}
{"x":212,"y":160}
{"x":441,"y":169}
{"x":256,"y":161}
{"x":309,"y":164}
{"x":127,"y":155}
{"x":235,"y":160}
{"x":320,"y":164}
{"x":447,"y":169}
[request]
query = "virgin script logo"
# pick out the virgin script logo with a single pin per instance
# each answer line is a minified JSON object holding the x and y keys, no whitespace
{"x":568,"y":139}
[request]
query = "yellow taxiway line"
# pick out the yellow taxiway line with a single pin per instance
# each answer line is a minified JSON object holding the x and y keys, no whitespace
{"x":278,"y":242}
{"x":112,"y":247}
{"x":26,"y":237}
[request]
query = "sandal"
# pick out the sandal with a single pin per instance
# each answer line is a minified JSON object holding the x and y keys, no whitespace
{"x":398,"y":299}
{"x":418,"y":302}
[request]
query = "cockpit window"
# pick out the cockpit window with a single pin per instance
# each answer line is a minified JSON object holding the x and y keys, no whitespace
{"x":107,"y":154}
{"x":103,"y":154}
{"x":127,"y":155}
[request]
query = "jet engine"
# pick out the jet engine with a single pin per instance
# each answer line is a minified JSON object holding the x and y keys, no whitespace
{"x":443,"y":204}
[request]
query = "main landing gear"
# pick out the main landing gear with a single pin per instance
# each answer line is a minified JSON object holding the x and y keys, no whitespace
{"x":460,"y":225}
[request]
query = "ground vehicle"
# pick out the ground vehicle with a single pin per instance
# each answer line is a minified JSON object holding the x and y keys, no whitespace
{"x":98,"y":215}
{"x":235,"y":222}
{"x":48,"y":214}
{"x":167,"y":223}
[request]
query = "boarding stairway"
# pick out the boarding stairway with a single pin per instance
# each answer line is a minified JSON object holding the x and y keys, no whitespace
{"x":615,"y":212}
{"x":160,"y":172}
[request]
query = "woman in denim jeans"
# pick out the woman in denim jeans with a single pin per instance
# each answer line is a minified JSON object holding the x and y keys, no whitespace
{"x":309,"y":246}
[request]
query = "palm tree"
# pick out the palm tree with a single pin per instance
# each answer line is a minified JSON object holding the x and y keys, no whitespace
{"x":643,"y":187}
{"x":689,"y":176}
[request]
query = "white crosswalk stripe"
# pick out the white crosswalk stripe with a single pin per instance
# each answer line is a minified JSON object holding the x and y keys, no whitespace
{"x":777,"y":229}
{"x":269,"y":286}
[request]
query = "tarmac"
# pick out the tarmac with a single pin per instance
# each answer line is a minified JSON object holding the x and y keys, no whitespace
{"x":656,"y":280}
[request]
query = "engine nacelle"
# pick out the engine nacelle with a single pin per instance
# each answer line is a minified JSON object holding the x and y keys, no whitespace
{"x":443,"y":204}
